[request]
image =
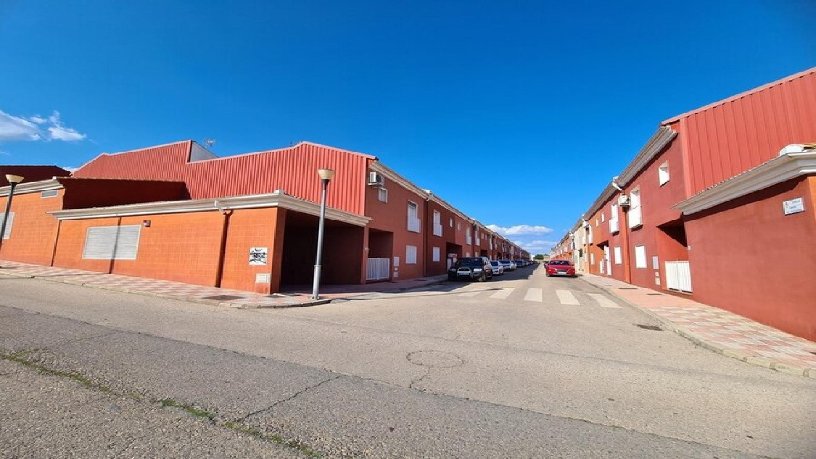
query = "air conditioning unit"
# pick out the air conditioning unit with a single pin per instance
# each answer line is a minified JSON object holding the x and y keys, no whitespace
{"x":623,"y":200}
{"x":375,"y":178}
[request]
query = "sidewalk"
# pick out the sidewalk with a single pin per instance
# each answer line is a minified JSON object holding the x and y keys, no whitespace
{"x":202,"y":294}
{"x":717,"y":329}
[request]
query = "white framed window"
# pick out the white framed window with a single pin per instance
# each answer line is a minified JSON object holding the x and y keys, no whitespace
{"x":614,"y":225}
{"x":603,"y":217}
{"x":436,"y":254}
{"x":437,"y":223}
{"x":468,"y":237}
{"x":451,"y":222}
{"x":112,"y":242}
{"x":640,"y":256}
{"x":591,"y":258}
{"x":663,"y":173}
{"x":635,"y":211}
{"x":382,"y":194}
{"x":414,"y":223}
{"x":9,"y":224}
{"x":478,"y":237}
{"x":410,"y":254}
{"x":618,"y":257}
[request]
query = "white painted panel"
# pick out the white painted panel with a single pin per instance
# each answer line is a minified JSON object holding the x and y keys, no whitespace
{"x":603,"y":301}
{"x":9,"y":224}
{"x":534,"y":294}
{"x":502,"y":294}
{"x":112,"y":242}
{"x":566,"y":297}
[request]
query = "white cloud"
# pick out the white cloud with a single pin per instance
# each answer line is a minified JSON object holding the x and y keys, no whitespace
{"x":16,"y":128}
{"x":520,"y":229}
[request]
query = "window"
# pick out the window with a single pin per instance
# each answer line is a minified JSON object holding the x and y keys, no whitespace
{"x":618,"y":257}
{"x":413,"y":218}
{"x":382,"y":195}
{"x":635,"y":212}
{"x":478,"y":237}
{"x":112,"y":242}
{"x":9,"y":224}
{"x":603,"y":217}
{"x":436,"y":254}
{"x":468,"y":238}
{"x":458,"y":226}
{"x":451,"y":222}
{"x":410,"y":254}
{"x":591,"y":258}
{"x":663,"y":173}
{"x":640,"y":256}
{"x":437,"y":223}
{"x":614,"y":227}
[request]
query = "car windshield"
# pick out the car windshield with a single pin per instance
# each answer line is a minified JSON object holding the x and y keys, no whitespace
{"x":494,"y":263}
{"x":560,"y":262}
{"x":470,"y":262}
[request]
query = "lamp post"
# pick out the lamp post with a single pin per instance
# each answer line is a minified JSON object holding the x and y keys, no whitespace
{"x":325,"y":177}
{"x":13,"y":181}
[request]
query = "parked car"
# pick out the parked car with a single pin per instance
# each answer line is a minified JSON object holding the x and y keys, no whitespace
{"x":560,"y":268}
{"x":508,"y":265}
{"x":498,"y":269}
{"x":471,"y":268}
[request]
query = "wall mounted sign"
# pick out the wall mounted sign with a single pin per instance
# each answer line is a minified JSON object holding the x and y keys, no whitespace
{"x":793,"y":206}
{"x":258,"y":256}
{"x":263,"y":278}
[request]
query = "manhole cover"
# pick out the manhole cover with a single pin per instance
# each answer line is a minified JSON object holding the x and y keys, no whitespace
{"x":223,"y":297}
{"x":435,"y":359}
{"x":649,"y":327}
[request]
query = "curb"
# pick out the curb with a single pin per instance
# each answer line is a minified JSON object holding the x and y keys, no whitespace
{"x":751,"y":359}
{"x":90,"y":284}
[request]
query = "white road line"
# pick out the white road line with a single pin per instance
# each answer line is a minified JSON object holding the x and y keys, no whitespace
{"x":603,"y":301}
{"x":502,"y":294}
{"x":566,"y":297}
{"x":534,"y":294}
{"x":470,"y":294}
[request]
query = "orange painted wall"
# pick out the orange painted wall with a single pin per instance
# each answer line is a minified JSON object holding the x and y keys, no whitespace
{"x":253,"y":228}
{"x":176,"y":247}
{"x":748,"y":257}
{"x":393,"y":216}
{"x":33,"y":230}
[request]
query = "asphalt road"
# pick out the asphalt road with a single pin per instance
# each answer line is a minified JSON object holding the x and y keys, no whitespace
{"x":523,"y":366}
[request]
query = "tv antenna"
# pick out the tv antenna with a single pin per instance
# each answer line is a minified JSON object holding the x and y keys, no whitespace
{"x":209,"y":142}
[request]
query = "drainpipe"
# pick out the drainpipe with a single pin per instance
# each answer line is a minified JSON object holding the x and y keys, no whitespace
{"x":624,"y":230}
{"x":222,"y":251}
{"x":425,"y":235}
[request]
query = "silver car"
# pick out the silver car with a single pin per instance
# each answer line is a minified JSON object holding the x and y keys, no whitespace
{"x":498,"y":269}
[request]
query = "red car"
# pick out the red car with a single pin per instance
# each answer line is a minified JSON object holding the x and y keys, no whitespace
{"x":560,"y":268}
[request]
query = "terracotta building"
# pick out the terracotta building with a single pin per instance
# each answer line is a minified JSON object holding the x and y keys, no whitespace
{"x":247,"y":222}
{"x":719,"y":205}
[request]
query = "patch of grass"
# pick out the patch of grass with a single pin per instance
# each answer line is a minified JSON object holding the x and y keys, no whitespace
{"x":192,"y":410}
{"x":20,"y":357}
{"x":274,"y":438}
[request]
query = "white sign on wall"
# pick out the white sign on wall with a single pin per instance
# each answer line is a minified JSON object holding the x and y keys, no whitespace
{"x":793,"y":206}
{"x":258,"y":256}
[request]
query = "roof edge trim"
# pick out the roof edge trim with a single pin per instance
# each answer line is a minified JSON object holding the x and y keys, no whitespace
{"x":773,"y":172}
{"x":31,"y":187}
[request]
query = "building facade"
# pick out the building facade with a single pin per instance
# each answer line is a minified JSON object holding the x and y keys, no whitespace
{"x":719,"y":205}
{"x":247,"y":222}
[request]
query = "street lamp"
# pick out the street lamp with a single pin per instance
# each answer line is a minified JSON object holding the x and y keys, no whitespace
{"x":13,"y":181}
{"x":325,"y":177}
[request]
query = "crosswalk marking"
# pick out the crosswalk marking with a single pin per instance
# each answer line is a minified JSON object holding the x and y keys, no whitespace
{"x":502,"y":294}
{"x":603,"y":301}
{"x":566,"y":297}
{"x":534,"y":294}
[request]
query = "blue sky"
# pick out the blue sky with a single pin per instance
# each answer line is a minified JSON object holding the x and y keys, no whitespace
{"x":518,"y":113}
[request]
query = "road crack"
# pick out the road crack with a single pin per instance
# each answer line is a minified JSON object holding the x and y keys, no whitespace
{"x":288,"y":399}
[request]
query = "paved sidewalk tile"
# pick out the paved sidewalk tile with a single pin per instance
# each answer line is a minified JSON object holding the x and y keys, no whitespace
{"x":299,"y":296}
{"x":718,"y":329}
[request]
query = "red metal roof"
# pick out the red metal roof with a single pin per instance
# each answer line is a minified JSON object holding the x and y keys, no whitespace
{"x":733,"y":135}
{"x":292,"y":169}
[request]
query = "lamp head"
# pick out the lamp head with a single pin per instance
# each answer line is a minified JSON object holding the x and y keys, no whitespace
{"x":15,"y":179}
{"x":325,"y":174}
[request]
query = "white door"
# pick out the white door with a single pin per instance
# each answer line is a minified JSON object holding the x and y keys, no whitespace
{"x":607,"y":261}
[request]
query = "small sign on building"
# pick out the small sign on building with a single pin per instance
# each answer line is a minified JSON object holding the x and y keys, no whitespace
{"x":258,"y":256}
{"x":793,"y":206}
